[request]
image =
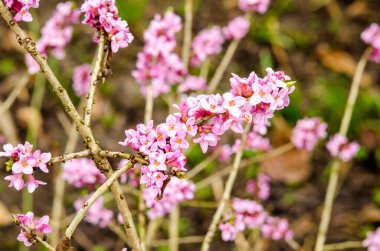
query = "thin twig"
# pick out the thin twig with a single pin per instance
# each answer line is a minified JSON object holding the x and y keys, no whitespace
{"x":293,"y":244}
{"x":205,"y":67}
{"x":70,"y":156}
{"x":14,"y":94}
{"x":111,"y":154}
{"x":101,"y":162}
{"x":187,"y":32}
{"x":226,"y":194}
{"x":102,"y":189}
{"x":37,"y":238}
{"x":173,"y":229}
{"x":183,"y":240}
{"x":59,"y":184}
{"x":222,"y":67}
{"x":95,"y":75}
{"x":333,"y":180}
{"x":343,"y":245}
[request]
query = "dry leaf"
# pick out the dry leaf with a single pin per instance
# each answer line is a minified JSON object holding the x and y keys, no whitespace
{"x":341,"y":62}
{"x":358,"y":9}
{"x":5,"y":216}
{"x":370,"y":213}
{"x":291,"y":167}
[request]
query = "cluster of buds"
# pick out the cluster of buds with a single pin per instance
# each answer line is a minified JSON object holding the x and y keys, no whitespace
{"x":371,"y":36}
{"x":24,"y":161}
{"x":30,"y":227}
{"x":158,"y":64}
{"x":20,"y":9}
{"x":176,"y":191}
{"x":103,"y":15}
{"x":308,"y":132}
{"x":208,"y":42}
{"x":55,"y":35}
{"x":82,"y":172}
{"x":248,"y":214}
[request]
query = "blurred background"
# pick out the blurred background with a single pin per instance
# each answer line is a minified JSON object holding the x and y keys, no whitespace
{"x":315,"y":42}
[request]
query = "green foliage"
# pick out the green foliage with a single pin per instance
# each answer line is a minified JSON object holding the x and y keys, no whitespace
{"x":376,"y":197}
{"x":131,"y":10}
{"x":7,"y":65}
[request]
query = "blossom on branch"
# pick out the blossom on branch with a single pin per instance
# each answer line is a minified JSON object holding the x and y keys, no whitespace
{"x":103,"y":15}
{"x":31,"y":227}
{"x":371,"y":36}
{"x":308,"y":132}
{"x":24,"y":161}
{"x":20,"y":9}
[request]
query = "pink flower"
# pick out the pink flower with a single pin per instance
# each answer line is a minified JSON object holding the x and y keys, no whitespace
{"x":176,"y":191}
{"x":205,"y":140}
{"x":103,"y":14}
{"x":225,"y":153}
{"x":55,"y":34}
{"x":207,"y":43}
{"x":33,"y":226}
{"x":339,"y":146}
{"x":259,"y":187}
{"x":371,"y":36}
{"x":158,"y":63}
{"x":82,"y":80}
{"x":21,"y":9}
{"x":230,"y":229}
{"x":96,"y":214}
{"x":16,"y":180}
{"x":24,"y":161}
{"x":237,"y":28}
{"x":307,"y":132}
{"x":372,"y":242}
{"x":277,"y":229}
{"x":259,"y":6}
{"x":82,"y":172}
{"x":233,"y":103}
{"x":32,"y":183}
{"x":253,"y":214}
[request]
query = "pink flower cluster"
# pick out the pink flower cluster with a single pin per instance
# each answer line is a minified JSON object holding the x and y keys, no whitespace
{"x":276,"y":229}
{"x":236,"y":28}
{"x":192,"y":83}
{"x":259,"y":187}
{"x":96,"y":214}
{"x":339,"y":146}
{"x":372,"y":242}
{"x":208,"y":42}
{"x":55,"y":35}
{"x":157,"y":64}
{"x":248,"y":214}
{"x":259,"y":6}
{"x":205,"y":118}
{"x":163,"y":146}
{"x":23,"y":161}
{"x":21,"y":9}
{"x":82,"y":172}
{"x":251,"y":99}
{"x":32,"y":226}
{"x":371,"y":36}
{"x":308,"y":132}
{"x":82,"y":80}
{"x":103,"y":15}
{"x":176,"y":191}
